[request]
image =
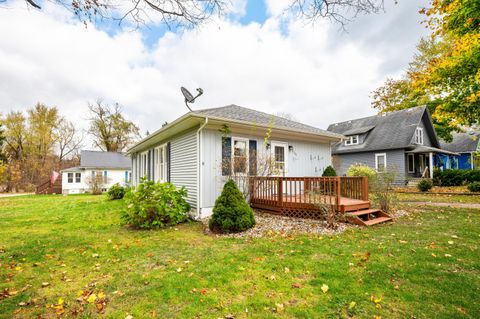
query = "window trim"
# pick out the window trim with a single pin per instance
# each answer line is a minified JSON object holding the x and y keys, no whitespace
{"x":377,"y":155}
{"x":349,"y":141}
{"x":285,"y":147}
{"x":419,"y":135}
{"x":70,"y":180}
{"x":232,"y":155}
{"x":412,"y":168}
{"x":79,"y":177}
{"x":161,"y":168}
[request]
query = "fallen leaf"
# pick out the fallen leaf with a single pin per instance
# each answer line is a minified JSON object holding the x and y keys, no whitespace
{"x":450,"y":242}
{"x":45,"y":284}
{"x":129,"y":317}
{"x":324,"y":288}
{"x":376,"y":301}
{"x":272,"y":277}
{"x":92,"y":298}
{"x":179,"y":269}
{"x":279,"y":307}
{"x":287,"y":270}
{"x":448,"y":255}
{"x":296,"y":285}
{"x":352,"y":305}
{"x":95,"y":255}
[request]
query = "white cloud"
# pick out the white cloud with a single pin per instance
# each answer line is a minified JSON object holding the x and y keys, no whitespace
{"x":316,"y":74}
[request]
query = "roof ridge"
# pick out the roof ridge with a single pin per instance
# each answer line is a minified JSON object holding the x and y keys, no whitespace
{"x":264,"y":113}
{"x":380,"y":114}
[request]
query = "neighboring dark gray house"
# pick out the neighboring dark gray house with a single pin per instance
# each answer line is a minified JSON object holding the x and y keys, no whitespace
{"x":402,"y":141}
{"x":467,"y":145}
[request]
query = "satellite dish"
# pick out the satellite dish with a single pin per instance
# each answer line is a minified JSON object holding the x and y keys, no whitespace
{"x":189,"y":98}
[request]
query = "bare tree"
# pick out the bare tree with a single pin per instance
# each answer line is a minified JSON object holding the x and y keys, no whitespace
{"x":190,"y":13}
{"x":340,"y":11}
{"x":69,"y":140}
{"x":111,"y":131}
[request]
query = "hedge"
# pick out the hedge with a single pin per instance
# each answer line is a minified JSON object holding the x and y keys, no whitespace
{"x":455,"y":177}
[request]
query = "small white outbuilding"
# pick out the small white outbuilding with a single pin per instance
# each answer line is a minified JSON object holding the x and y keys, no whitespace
{"x":114,"y":167}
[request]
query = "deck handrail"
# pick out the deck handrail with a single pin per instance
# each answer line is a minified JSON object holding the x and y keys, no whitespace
{"x":279,"y":191}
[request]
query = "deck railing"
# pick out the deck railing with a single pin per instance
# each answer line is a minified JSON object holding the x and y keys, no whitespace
{"x":305,"y":192}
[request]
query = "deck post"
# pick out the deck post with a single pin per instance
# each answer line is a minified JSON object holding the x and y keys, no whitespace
{"x":365,"y":188}
{"x":338,"y":191}
{"x":280,"y":191}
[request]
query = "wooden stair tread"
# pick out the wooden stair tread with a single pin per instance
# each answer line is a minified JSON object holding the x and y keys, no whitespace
{"x":364,"y":212}
{"x":377,"y":220}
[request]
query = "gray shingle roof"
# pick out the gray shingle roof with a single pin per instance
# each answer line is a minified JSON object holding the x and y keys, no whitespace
{"x":386,"y":131}
{"x":240,"y":113}
{"x":463,"y":142}
{"x":98,"y":159}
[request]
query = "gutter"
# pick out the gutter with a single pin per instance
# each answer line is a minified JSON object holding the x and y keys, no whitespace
{"x":199,"y":166}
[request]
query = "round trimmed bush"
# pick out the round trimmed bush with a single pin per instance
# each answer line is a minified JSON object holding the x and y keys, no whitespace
{"x":231,"y":213}
{"x":424,"y":185}
{"x":116,"y":192}
{"x":474,"y":187}
{"x":329,"y":171}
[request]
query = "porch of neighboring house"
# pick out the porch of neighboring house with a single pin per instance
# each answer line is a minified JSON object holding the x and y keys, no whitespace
{"x":420,"y":162}
{"x":306,"y":197}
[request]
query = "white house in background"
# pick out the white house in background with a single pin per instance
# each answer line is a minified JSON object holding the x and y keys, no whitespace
{"x":114,"y":167}
{"x":190,"y":150}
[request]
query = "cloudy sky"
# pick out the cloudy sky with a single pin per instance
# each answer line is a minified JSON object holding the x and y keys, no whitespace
{"x":255,"y":58}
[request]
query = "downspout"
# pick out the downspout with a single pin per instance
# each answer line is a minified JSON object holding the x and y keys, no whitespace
{"x":199,"y":167}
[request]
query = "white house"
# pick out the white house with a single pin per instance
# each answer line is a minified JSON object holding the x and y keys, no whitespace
{"x":191,"y":151}
{"x":114,"y":167}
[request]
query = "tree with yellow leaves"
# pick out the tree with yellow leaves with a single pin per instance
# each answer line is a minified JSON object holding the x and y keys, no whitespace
{"x":445,"y":74}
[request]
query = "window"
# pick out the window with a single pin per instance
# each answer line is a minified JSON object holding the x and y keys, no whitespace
{"x":161,"y":163}
{"x":411,"y":163}
{"x":279,"y":154}
{"x":381,"y":162}
{"x":352,"y":140}
{"x":105,"y":177}
{"x":240,"y":155}
{"x":419,"y":136}
{"x":70,"y":177}
{"x":78,"y":177}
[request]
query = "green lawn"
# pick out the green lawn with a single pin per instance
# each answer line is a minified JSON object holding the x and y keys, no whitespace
{"x":426,"y":265}
{"x":439,"y":198}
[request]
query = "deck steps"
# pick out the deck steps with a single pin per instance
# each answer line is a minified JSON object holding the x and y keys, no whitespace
{"x":368,"y":217}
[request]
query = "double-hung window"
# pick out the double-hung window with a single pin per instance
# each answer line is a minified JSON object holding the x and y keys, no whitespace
{"x":161,"y":163}
{"x":239,"y":155}
{"x":419,"y":136}
{"x":381,"y":162}
{"x":78,"y":177}
{"x":70,"y":178}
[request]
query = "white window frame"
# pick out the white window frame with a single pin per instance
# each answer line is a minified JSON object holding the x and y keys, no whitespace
{"x":419,"y":135}
{"x":161,"y":167}
{"x":232,"y":155}
{"x":143,"y":164}
{"x":352,"y":140}
{"x":412,"y":168}
{"x":272,"y":150}
{"x":377,"y":155}
{"x":68,"y":178}
{"x":79,"y":177}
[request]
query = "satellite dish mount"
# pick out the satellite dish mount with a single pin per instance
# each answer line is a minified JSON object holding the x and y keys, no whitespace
{"x":189,"y":98}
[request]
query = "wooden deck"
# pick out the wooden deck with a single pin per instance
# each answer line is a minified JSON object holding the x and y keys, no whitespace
{"x":304,"y":197}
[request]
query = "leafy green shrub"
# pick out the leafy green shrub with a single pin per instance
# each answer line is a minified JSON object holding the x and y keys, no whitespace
{"x":329,"y":171}
{"x":116,"y":192}
{"x":363,"y":170}
{"x":474,"y":187}
{"x":231,"y":212}
{"x":436,"y":177}
{"x":456,"y":177}
{"x":152,"y":205}
{"x":424,"y":185}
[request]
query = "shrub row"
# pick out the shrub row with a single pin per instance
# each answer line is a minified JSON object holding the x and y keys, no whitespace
{"x":455,"y":177}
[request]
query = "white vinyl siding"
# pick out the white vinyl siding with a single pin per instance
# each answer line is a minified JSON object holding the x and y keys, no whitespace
{"x":183,"y":164}
{"x":303,"y":159}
